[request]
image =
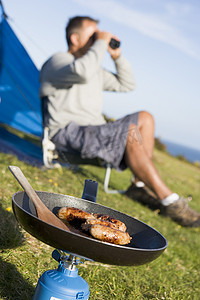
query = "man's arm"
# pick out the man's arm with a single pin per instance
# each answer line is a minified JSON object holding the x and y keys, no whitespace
{"x":123,"y":80}
{"x":63,"y":70}
{"x":85,"y":67}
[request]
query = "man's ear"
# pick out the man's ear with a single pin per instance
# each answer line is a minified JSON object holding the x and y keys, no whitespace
{"x":74,"y":39}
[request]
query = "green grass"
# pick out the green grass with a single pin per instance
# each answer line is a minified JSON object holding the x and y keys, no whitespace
{"x":174,"y":275}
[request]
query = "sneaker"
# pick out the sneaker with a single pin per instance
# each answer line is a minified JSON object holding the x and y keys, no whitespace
{"x":143,"y":195}
{"x":180,"y":212}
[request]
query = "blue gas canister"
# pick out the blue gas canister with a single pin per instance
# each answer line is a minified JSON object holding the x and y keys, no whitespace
{"x":62,"y":284}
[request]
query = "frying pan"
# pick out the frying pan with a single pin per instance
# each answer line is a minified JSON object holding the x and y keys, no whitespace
{"x":146,"y":244}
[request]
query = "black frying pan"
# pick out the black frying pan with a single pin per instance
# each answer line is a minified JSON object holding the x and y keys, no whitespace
{"x":146,"y":244}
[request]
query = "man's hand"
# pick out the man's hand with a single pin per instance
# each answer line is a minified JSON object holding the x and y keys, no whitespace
{"x":115,"y":53}
{"x":103,"y":35}
{"x":106,"y":36}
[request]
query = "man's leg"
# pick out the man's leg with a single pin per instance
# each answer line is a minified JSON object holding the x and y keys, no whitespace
{"x":145,"y":134}
{"x":139,"y":152}
{"x":138,"y":157}
{"x":146,"y":128}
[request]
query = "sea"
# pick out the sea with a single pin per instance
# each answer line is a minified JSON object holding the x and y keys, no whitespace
{"x":174,"y":149}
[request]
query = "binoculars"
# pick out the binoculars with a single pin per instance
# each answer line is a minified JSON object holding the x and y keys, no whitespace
{"x":114,"y":44}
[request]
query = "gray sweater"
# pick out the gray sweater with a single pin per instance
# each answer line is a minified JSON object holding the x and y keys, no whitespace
{"x":74,"y":86}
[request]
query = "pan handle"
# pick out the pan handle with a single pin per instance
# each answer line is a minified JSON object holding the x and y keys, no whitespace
{"x":90,"y":190}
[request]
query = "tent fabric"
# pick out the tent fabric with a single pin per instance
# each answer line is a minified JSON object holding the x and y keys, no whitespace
{"x":20,"y":105}
{"x":23,"y":149}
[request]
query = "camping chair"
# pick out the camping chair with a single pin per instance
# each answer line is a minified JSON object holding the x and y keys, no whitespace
{"x":55,"y":156}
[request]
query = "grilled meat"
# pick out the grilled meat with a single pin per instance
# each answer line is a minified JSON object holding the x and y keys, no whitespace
{"x":101,"y":227}
{"x":72,"y":214}
{"x":120,"y":225}
{"x":110,"y":235}
{"x":89,"y":222}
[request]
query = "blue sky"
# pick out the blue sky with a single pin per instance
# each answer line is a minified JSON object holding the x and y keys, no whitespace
{"x":160,"y":38}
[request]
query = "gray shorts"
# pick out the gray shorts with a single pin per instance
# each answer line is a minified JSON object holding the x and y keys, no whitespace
{"x":107,"y":141}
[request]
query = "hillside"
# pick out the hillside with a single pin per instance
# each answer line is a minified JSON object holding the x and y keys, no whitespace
{"x":174,"y":275}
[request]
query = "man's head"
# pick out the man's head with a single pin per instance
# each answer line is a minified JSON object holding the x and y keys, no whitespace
{"x":80,"y":33}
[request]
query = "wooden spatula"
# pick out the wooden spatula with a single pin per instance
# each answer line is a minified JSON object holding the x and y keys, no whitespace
{"x":43,"y":212}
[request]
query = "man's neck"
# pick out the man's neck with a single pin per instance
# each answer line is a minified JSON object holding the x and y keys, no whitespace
{"x":76,"y":54}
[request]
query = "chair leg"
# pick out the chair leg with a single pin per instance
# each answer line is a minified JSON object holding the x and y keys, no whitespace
{"x":48,"y":149}
{"x":106,"y":182}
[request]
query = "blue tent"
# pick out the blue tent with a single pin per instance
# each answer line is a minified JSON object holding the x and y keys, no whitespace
{"x":19,"y":83}
{"x":20,"y":106}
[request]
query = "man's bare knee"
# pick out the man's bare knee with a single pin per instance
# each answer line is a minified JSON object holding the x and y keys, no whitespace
{"x":145,"y":118}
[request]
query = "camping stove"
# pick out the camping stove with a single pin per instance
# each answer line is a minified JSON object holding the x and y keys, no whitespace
{"x":63,"y":283}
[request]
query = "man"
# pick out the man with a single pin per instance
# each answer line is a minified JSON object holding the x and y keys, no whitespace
{"x":72,"y":85}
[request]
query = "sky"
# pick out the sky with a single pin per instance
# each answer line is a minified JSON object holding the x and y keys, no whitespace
{"x":160,"y":38}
